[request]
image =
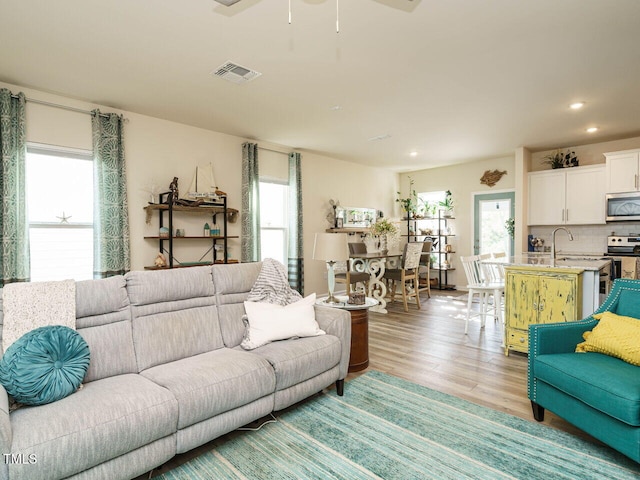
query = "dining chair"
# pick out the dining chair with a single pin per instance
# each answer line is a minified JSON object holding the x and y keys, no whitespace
{"x":485,"y":288}
{"x":495,"y":272}
{"x":425,"y":266}
{"x":350,"y":276}
{"x":408,"y":272}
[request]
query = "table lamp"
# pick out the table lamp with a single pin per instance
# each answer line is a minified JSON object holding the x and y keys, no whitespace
{"x":332,"y":248}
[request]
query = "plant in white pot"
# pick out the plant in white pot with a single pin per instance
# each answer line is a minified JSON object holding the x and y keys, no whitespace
{"x":446,"y":205}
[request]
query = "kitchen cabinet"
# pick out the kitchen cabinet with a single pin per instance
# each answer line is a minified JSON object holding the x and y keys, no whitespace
{"x":539,"y":295}
{"x":567,"y":196}
{"x":623,"y":171}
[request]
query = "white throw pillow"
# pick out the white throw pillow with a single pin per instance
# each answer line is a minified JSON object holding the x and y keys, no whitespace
{"x":267,"y":322}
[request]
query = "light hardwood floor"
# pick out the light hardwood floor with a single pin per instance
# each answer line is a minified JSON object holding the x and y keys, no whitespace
{"x":429,"y":347}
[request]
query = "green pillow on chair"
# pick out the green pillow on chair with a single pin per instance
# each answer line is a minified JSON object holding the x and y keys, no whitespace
{"x":44,"y":365}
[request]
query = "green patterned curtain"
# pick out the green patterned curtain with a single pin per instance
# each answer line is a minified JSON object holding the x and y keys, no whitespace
{"x":111,"y":255}
{"x":250,"y":204}
{"x":296,"y":260}
{"x":14,"y":224}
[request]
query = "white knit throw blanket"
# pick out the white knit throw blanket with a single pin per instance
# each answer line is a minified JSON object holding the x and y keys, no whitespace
{"x":272,"y":285}
{"x":27,"y":306}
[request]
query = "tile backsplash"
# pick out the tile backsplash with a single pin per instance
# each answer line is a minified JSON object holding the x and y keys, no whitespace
{"x":587,"y":239}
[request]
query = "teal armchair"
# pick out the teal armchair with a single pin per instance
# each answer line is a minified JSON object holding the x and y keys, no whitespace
{"x":597,"y":393}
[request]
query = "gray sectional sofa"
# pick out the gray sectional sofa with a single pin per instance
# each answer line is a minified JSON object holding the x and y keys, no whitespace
{"x":167,"y":374}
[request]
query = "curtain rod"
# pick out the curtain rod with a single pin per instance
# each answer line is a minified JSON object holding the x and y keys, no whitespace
{"x":62,"y":107}
{"x":272,"y":150}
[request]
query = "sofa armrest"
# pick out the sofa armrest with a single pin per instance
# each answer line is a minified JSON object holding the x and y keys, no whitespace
{"x":6,"y":436}
{"x":550,"y":338}
{"x":546,"y":338}
{"x":337,"y":322}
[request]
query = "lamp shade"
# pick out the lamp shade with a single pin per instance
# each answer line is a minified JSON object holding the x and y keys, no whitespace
{"x":331,"y":247}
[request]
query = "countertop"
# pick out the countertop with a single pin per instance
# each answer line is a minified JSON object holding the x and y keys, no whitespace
{"x":544,"y":260}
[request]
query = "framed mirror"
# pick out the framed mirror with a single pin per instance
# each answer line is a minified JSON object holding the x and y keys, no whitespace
{"x":355,"y":217}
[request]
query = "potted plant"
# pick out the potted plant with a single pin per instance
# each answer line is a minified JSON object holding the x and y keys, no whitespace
{"x":410,"y":203}
{"x":447,"y":204}
{"x":558,"y":159}
{"x":429,"y":208}
{"x":510,"y":225}
{"x":383,"y":229}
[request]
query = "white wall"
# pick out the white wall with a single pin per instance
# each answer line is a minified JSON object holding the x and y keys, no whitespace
{"x":353,"y":185}
{"x":157,"y":150}
{"x":463,"y":181}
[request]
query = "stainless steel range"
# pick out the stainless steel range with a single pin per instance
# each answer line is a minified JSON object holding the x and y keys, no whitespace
{"x":619,"y":246}
{"x":623,"y":246}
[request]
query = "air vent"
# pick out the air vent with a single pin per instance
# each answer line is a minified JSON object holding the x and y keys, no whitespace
{"x":235,"y":73}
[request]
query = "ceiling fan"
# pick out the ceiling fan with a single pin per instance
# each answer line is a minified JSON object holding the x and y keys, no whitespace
{"x":228,"y":3}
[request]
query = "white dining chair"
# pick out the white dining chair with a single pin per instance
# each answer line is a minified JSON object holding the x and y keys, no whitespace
{"x":489,"y":292}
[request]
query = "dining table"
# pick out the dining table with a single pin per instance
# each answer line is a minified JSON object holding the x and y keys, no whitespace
{"x":375,"y":264}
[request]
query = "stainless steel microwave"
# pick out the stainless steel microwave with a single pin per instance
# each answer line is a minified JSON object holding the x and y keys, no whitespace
{"x":623,"y":206}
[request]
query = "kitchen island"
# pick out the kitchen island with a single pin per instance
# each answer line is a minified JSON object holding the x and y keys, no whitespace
{"x":541,"y":290}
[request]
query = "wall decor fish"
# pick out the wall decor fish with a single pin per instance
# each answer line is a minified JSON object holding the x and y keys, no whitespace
{"x":490,"y":178}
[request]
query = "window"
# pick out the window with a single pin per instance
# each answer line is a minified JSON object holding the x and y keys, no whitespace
{"x":274,"y":220}
{"x":432,"y":199}
{"x":60,"y":212}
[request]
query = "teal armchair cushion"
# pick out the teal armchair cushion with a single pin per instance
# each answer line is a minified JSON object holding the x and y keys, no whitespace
{"x":44,"y":365}
{"x":605,"y":383}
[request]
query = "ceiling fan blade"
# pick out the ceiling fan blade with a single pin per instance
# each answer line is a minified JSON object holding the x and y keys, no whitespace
{"x":227,"y":3}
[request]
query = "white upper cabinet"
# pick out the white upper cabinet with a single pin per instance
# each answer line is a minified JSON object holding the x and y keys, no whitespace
{"x":546,"y":197}
{"x":567,"y":196}
{"x":623,"y":171}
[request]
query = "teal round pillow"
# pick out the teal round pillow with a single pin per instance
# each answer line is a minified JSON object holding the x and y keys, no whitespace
{"x":44,"y":365}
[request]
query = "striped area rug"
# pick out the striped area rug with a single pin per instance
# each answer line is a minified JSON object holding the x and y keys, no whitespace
{"x":385,"y":427}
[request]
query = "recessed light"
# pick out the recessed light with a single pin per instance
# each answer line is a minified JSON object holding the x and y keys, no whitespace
{"x":576,"y":105}
{"x":592,"y":129}
{"x":414,"y":154}
{"x":335,"y":108}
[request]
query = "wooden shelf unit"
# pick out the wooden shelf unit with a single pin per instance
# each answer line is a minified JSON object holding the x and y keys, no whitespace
{"x":166,"y":244}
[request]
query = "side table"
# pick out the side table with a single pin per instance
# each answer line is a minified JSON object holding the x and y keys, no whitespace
{"x":359,"y":358}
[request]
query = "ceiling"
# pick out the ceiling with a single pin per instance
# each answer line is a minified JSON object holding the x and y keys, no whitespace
{"x":453,"y":80}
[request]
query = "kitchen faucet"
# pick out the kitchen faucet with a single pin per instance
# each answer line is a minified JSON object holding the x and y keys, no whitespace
{"x":553,"y":240}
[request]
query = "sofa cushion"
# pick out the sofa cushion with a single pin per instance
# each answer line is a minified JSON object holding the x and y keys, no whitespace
{"x":233,"y":283}
{"x":103,"y":318}
{"x":44,"y":365}
{"x":605,"y":383}
{"x":105,"y":419}
{"x":214,"y":382}
{"x":300,"y":359}
{"x":614,"y":335}
{"x":174,"y":315}
{"x":628,"y":302}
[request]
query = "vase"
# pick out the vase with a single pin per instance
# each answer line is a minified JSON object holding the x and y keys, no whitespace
{"x":383,"y":244}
